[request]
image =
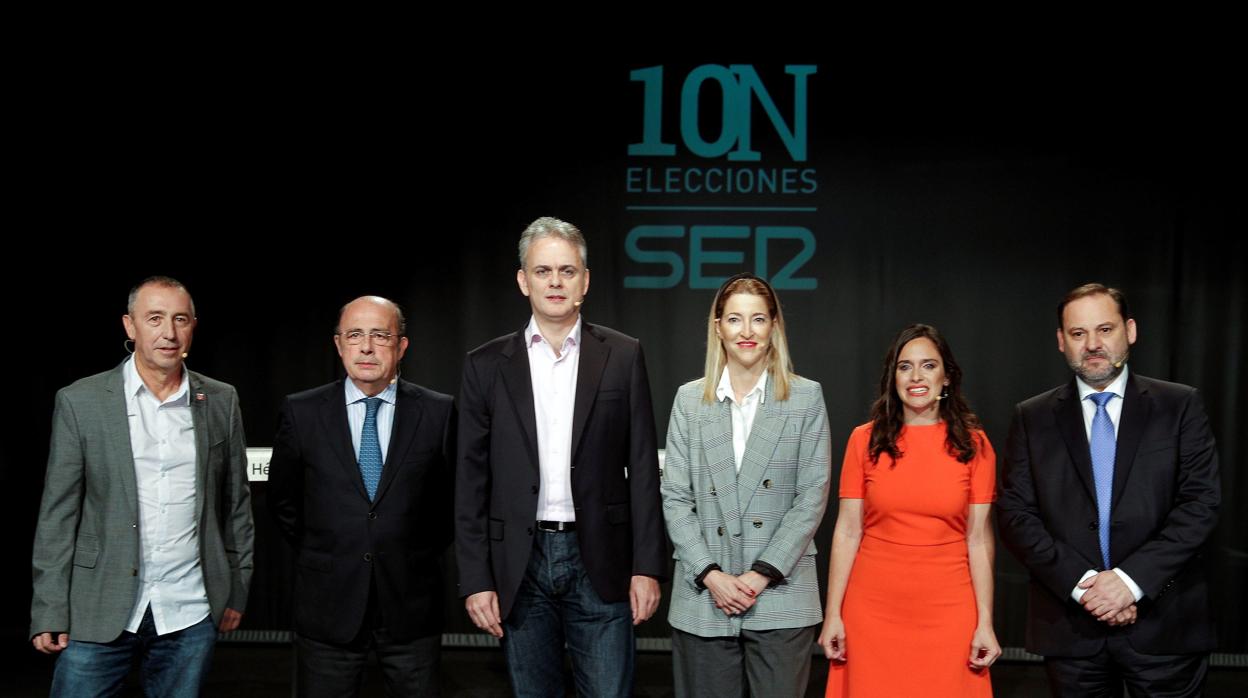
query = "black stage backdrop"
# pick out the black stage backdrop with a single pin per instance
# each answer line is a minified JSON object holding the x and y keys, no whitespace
{"x":970,"y":196}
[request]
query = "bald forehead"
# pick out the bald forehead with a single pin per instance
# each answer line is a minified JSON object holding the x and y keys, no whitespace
{"x":378,"y":312}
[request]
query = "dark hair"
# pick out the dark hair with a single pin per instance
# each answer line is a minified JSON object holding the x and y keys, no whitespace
{"x":1092,"y":290}
{"x":887,"y":412}
{"x":165,"y":281}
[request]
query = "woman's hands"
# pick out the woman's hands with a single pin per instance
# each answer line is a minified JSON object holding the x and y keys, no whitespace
{"x":984,"y":648}
{"x":832,"y":638}
{"x":734,"y":595}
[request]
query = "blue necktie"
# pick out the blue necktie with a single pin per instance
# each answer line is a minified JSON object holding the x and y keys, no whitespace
{"x":1104,"y":445}
{"x":370,"y":447}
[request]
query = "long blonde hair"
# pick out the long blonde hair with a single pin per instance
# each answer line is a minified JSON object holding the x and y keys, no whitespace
{"x":779,"y":365}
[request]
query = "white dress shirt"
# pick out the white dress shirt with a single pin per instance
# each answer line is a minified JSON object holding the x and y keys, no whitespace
{"x":742,"y":412}
{"x":1114,"y":409}
{"x":357,"y":410}
{"x":162,"y":440}
{"x":554,"y":397}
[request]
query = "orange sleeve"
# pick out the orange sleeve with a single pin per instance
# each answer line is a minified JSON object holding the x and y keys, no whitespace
{"x":983,"y":472}
{"x":852,"y":479}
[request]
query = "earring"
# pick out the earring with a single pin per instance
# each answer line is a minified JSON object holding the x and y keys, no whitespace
{"x":129,"y":349}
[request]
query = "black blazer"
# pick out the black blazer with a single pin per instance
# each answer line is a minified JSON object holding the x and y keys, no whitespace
{"x":1165,"y":499}
{"x":619,"y":516}
{"x":342,"y":540}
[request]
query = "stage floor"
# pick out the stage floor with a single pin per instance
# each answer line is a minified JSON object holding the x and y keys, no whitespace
{"x":249,"y":670}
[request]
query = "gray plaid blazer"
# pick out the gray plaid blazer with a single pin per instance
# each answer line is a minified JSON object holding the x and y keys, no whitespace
{"x":769,"y":511}
{"x":86,"y":552}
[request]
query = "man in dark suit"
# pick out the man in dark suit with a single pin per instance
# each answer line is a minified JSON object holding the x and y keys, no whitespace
{"x":559,"y":524}
{"x":360,"y":484}
{"x":145,"y":531}
{"x":1110,"y":492}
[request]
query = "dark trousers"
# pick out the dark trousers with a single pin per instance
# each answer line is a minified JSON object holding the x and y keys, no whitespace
{"x":330,"y":670}
{"x":758,"y":663}
{"x":1146,"y":675}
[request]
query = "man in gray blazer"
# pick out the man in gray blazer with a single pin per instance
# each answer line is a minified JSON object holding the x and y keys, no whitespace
{"x":145,"y":529}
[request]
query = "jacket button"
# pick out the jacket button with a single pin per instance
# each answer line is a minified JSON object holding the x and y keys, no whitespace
{"x":695,"y":510}
{"x":758,"y":523}
{"x":368,"y":557}
{"x":712,"y":490}
{"x":529,"y":530}
{"x":372,"y":515}
{"x":533,"y":489}
{"x":134,"y":572}
{"x":720,"y":530}
{"x":1092,"y":526}
{"x":767,"y":484}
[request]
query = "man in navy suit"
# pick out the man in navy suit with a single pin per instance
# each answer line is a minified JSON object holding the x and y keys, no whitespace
{"x":360,"y":484}
{"x":1111,"y":490}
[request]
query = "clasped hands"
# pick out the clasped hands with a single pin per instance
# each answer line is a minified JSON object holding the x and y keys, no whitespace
{"x":734,"y":595}
{"x":1108,"y":599}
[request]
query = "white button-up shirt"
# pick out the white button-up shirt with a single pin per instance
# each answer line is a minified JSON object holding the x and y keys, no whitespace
{"x":554,"y":397}
{"x":742,"y":412}
{"x":162,"y":440}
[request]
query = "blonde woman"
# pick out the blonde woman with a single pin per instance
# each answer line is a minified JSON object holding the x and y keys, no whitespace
{"x":744,"y":488}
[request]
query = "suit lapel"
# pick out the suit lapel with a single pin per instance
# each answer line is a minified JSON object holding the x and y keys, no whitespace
{"x":337,"y":431}
{"x":1069,"y":415}
{"x":407,"y":415}
{"x":721,"y":462}
{"x":1136,"y":406}
{"x":201,"y":418}
{"x":759,"y":446}
{"x":593,"y":360}
{"x":519,"y":382}
{"x":115,"y":415}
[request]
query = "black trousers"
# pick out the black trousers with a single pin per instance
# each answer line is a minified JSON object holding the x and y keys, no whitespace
{"x":1103,"y":674}
{"x":331,"y":670}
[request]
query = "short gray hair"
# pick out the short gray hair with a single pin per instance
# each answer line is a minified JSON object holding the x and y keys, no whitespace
{"x":165,"y":281}
{"x":548,"y":227}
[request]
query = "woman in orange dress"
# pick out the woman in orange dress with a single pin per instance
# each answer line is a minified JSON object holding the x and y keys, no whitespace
{"x":909,"y":608}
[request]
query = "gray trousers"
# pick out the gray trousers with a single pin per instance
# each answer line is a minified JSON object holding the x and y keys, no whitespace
{"x":758,"y":663}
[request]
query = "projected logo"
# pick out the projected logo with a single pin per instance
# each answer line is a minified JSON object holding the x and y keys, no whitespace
{"x":696,"y":222}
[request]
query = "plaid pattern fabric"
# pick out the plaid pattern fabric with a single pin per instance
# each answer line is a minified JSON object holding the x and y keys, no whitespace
{"x":769,"y":511}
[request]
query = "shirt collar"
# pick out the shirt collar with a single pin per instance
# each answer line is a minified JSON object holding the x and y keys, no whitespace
{"x":724,"y":389}
{"x":1117,"y":387}
{"x":133,"y":385}
{"x":533,"y":336}
{"x":354,"y":394}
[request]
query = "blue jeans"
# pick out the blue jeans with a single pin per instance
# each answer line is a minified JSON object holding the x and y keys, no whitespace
{"x":556,"y":604}
{"x":173,"y":664}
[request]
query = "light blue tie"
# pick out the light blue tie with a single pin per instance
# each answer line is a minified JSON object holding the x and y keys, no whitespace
{"x":370,"y":447}
{"x":1104,"y":445}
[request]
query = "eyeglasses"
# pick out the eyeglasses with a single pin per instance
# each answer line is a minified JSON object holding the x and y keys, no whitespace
{"x":381,"y":339}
